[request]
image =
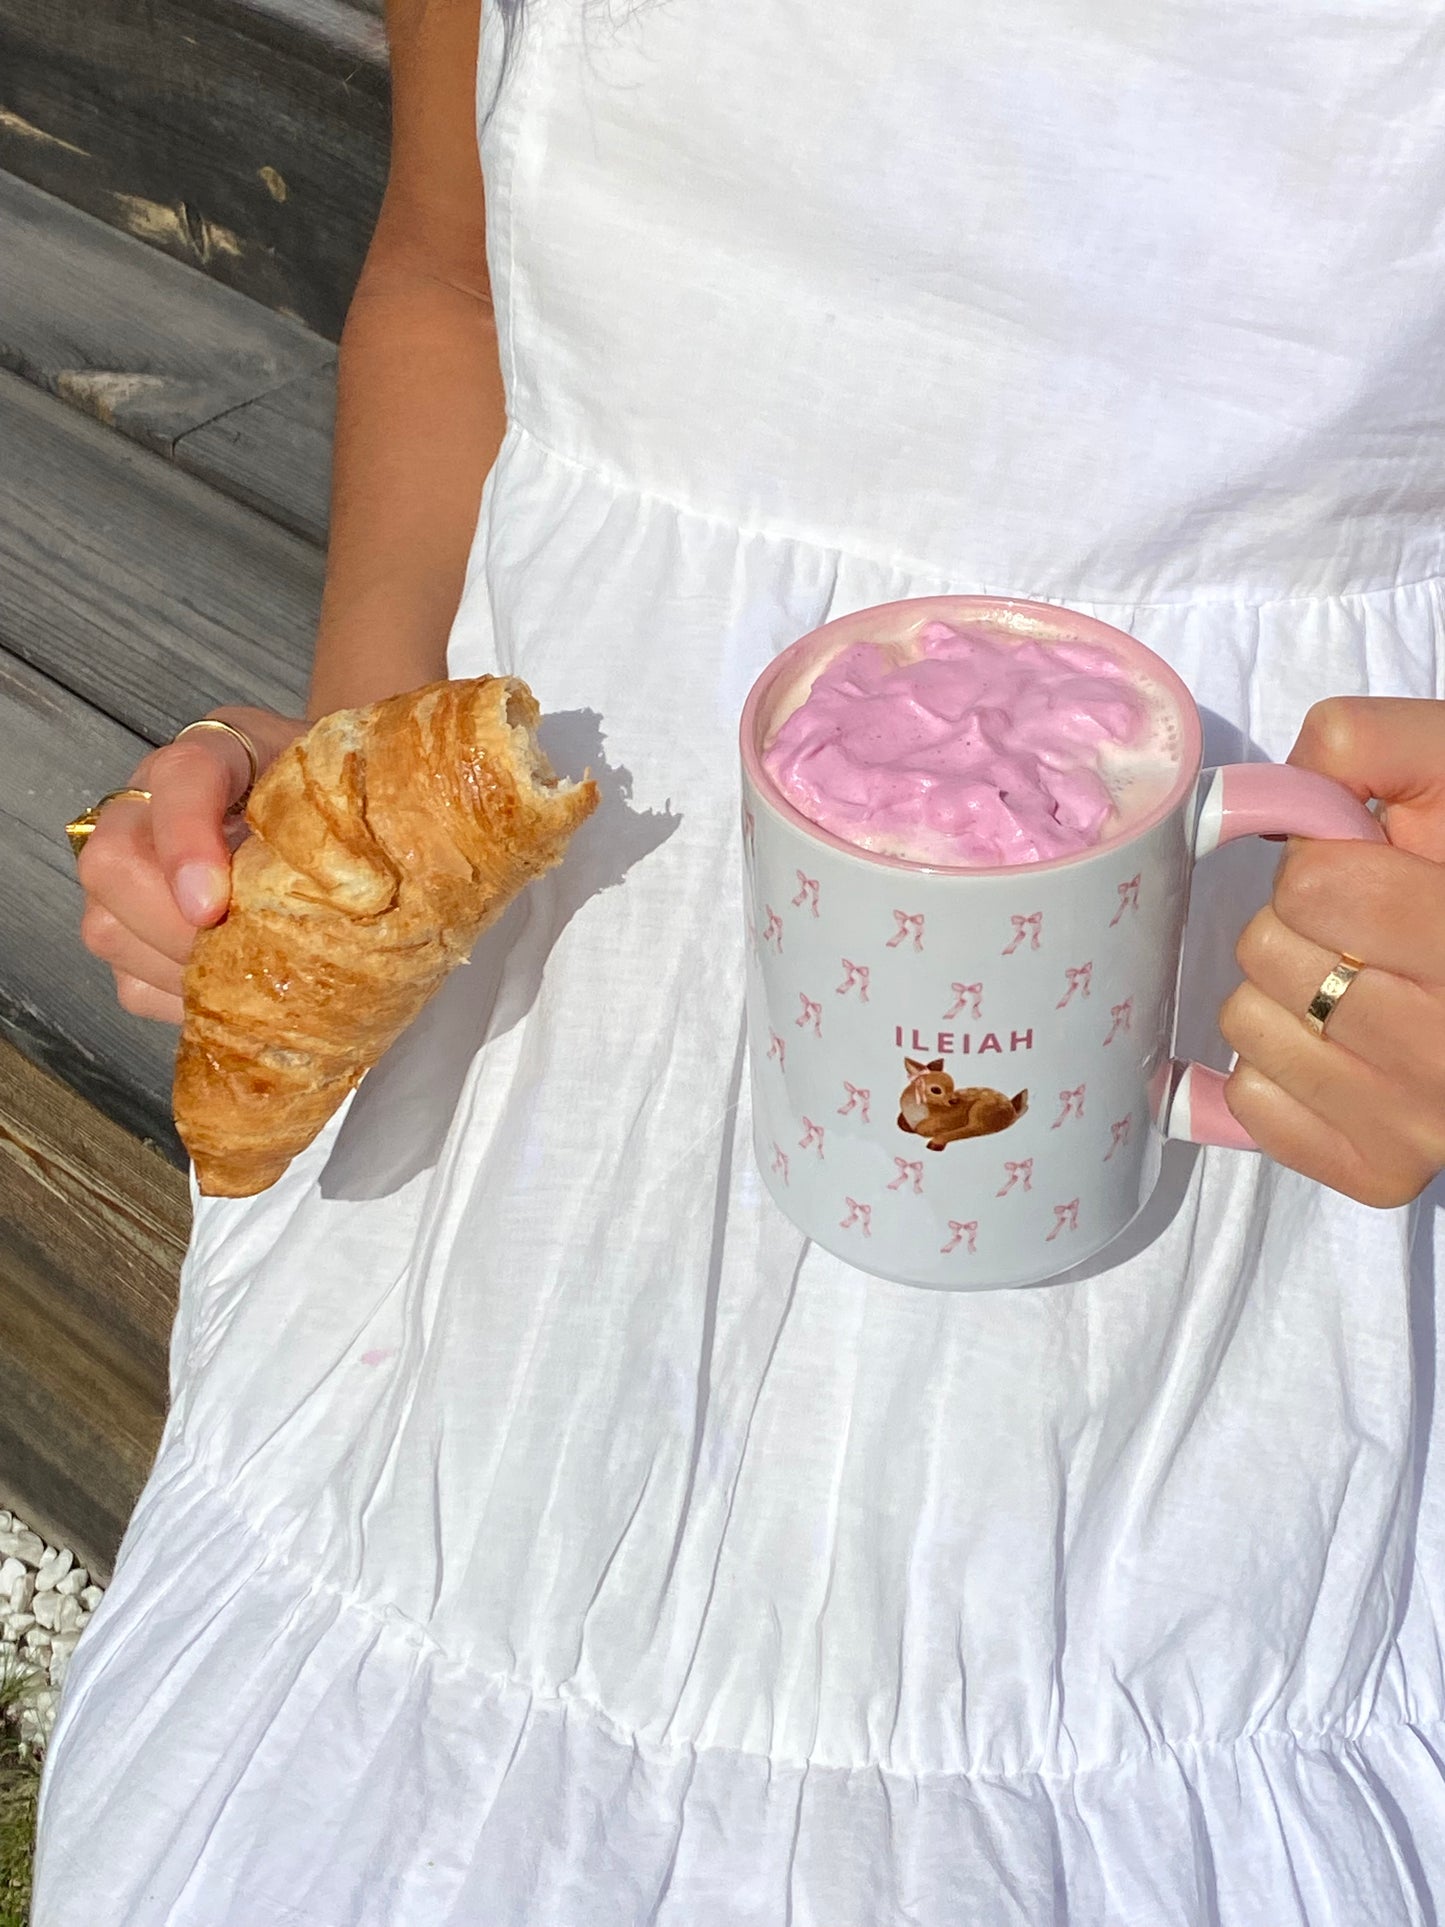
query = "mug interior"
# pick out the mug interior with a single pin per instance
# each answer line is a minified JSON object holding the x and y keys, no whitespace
{"x":787,"y":680}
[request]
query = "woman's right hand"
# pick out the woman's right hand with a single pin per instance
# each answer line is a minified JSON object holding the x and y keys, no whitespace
{"x":155,"y":873}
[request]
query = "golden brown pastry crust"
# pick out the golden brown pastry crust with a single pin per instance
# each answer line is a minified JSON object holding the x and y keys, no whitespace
{"x":385,"y":839}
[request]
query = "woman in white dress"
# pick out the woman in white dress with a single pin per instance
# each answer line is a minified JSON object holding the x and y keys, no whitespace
{"x":544,"y":1534}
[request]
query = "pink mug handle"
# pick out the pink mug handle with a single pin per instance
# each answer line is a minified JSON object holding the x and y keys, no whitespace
{"x":1255,"y":799}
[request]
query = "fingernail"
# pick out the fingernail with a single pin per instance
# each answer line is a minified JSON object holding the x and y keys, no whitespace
{"x":201,"y":889}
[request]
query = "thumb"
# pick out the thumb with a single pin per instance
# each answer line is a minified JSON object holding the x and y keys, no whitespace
{"x":192,"y":784}
{"x":1387,"y":747}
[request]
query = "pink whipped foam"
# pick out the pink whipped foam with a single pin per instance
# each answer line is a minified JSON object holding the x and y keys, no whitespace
{"x":979,"y":752}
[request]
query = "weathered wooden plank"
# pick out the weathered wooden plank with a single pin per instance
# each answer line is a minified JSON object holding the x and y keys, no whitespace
{"x":128,"y":334}
{"x":57,"y":1002}
{"x":78,"y":1425}
{"x":273,"y":454}
{"x":245,"y":137}
{"x":93,"y":1230}
{"x":112,"y":1214}
{"x":137,"y":587}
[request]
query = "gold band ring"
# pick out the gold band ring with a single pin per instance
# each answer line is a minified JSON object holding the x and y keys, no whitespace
{"x":78,"y":830}
{"x":214,"y":722}
{"x":1323,"y":1002}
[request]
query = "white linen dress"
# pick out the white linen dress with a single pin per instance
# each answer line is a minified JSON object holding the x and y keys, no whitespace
{"x":544,"y":1534}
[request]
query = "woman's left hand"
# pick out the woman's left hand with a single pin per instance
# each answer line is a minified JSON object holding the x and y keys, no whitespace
{"x":1362,"y":1108}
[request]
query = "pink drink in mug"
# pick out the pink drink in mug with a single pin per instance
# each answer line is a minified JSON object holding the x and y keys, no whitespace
{"x":962,"y":1069}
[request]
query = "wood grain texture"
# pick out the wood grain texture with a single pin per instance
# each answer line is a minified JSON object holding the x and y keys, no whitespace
{"x":136,"y":587}
{"x":57,"y":1002}
{"x":126,"y":333}
{"x":245,"y":137}
{"x":274,"y":453}
{"x":79,"y":1426}
{"x":116,"y":1214}
{"x":93,"y":1231}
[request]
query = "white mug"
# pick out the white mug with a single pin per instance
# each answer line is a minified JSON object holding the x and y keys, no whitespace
{"x":879,"y":990}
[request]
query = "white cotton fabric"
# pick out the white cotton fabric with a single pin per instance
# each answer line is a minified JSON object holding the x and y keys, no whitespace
{"x":544,"y":1534}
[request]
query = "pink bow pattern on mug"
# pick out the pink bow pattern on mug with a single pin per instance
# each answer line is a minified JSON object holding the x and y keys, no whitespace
{"x":1073,"y":1103}
{"x":1128,"y":897}
{"x":777,"y":1047}
{"x":807,"y":892}
{"x":773,"y":929}
{"x":858,"y":1214}
{"x":1079,"y":977}
{"x":780,"y":1161}
{"x":811,"y":1014}
{"x":907,"y":927}
{"x":1020,"y":1170}
{"x":812,"y":1135}
{"x":1026,"y":929}
{"x":965,"y":994}
{"x":1066,"y":1217}
{"x":857,"y":1100}
{"x":1118,"y":1136}
{"x":1123,"y":1016}
{"x":854,"y":975}
{"x":906,"y":1170}
{"x":968,"y":1230}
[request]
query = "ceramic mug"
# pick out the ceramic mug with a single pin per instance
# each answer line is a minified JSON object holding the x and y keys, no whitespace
{"x":880,"y":990}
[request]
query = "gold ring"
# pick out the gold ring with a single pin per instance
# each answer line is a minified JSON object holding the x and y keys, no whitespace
{"x":214,"y":722}
{"x":83,"y":824}
{"x":1330,"y":992}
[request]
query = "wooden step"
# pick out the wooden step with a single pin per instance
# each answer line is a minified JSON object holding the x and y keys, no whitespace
{"x":247,"y":138}
{"x":274,"y":454}
{"x":93,"y":1229}
{"x":240,"y":396}
{"x":137,"y":588}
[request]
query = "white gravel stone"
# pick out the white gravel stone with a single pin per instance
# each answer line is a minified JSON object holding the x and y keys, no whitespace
{"x":46,"y":1600}
{"x":56,"y":1562}
{"x":71,"y":1616}
{"x":61,"y":1648}
{"x":47,"y":1610}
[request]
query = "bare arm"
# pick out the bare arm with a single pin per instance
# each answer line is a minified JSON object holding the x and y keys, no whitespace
{"x":420,"y":419}
{"x":420,"y":413}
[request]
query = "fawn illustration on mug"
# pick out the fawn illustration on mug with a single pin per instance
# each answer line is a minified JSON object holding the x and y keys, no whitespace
{"x":932,"y":1108}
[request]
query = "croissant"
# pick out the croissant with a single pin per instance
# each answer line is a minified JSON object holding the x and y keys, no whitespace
{"x":384,"y":840}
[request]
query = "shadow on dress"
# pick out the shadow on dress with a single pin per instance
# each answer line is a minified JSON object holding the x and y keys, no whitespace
{"x":1229,"y":886}
{"x":402,"y":1110}
{"x":1424,"y":1341}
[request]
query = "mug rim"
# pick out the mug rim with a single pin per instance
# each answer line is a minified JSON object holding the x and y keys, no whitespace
{"x":1036,"y":621}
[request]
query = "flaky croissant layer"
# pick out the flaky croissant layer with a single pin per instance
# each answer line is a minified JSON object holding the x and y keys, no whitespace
{"x":384,"y":841}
